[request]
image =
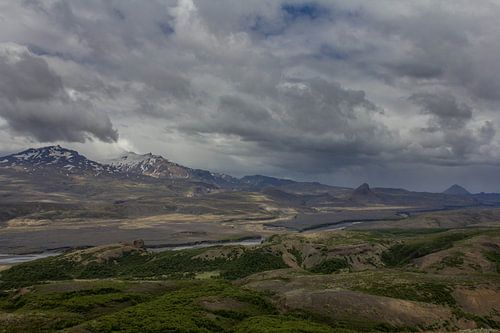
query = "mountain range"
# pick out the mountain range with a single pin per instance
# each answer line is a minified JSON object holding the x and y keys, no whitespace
{"x":61,"y":162}
{"x":157,"y":166}
{"x":66,"y":199}
{"x":57,"y":159}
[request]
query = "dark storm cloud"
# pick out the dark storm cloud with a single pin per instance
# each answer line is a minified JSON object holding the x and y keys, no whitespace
{"x":451,"y":120}
{"x":447,"y":111}
{"x":287,"y":86}
{"x":28,"y":78}
{"x":320,"y":120}
{"x":34,"y":103}
{"x":58,"y":120}
{"x":165,"y":83}
{"x":417,"y":70}
{"x":451,"y":43}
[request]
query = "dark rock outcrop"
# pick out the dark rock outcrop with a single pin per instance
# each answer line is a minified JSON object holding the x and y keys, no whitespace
{"x":456,"y":190}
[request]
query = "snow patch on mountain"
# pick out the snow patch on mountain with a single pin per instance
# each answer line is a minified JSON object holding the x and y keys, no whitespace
{"x":54,"y":158}
{"x":149,"y":165}
{"x":159,"y":167}
{"x":65,"y":161}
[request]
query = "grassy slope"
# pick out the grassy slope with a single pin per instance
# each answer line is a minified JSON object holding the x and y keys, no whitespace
{"x":215,"y":305}
{"x":140,"y":265}
{"x":113,"y":306}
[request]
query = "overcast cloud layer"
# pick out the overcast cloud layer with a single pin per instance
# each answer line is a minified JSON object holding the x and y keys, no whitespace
{"x":396,"y":93}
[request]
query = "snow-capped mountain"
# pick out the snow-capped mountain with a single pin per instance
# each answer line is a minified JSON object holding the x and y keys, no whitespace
{"x":159,"y":167}
{"x":66,"y":161}
{"x":149,"y":165}
{"x":54,"y":158}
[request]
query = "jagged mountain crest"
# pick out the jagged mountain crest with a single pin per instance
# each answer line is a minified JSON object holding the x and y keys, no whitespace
{"x":54,"y":158}
{"x":363,"y":189}
{"x":363,"y":193}
{"x":37,"y":163}
{"x":157,"y":166}
{"x":66,"y":161}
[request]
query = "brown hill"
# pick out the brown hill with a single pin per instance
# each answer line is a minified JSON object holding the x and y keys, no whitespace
{"x":363,"y":195}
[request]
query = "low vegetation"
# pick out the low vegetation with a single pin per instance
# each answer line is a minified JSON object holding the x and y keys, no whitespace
{"x":494,"y":257}
{"x":402,"y":254}
{"x":141,"y":264}
{"x":291,"y":283}
{"x":330,"y":266}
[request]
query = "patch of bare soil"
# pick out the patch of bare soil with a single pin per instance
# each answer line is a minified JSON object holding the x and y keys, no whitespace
{"x":105,"y":253}
{"x":481,"y":301}
{"x":4,"y":267}
{"x":299,"y":254}
{"x":345,"y":305}
{"x":218,"y":304}
{"x":27,"y":223}
{"x":464,"y":257}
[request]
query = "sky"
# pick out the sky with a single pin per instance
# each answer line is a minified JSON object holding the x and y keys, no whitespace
{"x":393,"y":93}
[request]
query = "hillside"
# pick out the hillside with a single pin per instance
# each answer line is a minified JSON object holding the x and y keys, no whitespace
{"x":157,"y":166}
{"x":390,"y":281}
{"x":456,"y":190}
{"x":363,"y":195}
{"x":56,"y":161}
{"x":52,"y":197}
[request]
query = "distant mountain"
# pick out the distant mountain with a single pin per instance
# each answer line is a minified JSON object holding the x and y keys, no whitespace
{"x":54,"y":159}
{"x":284,"y":197}
{"x":363,"y":194}
{"x":157,"y":166}
{"x":149,"y":165}
{"x":363,"y":189}
{"x":58,"y":161}
{"x":259,"y":181}
{"x":456,"y":190}
{"x":216,"y":178}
